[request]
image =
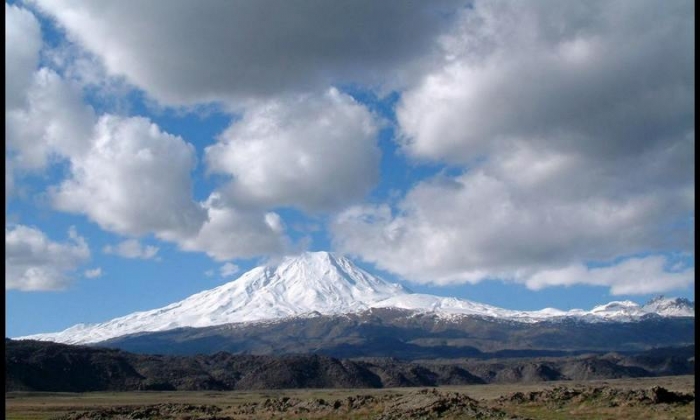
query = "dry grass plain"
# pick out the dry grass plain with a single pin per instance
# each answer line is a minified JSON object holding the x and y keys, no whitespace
{"x":603,"y":399}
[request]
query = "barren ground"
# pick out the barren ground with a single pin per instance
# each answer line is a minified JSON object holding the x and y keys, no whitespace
{"x":642,"y":398}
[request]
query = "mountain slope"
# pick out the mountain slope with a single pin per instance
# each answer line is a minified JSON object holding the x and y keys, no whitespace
{"x":321,"y":283}
{"x":409,"y":335}
{"x":313,"y":282}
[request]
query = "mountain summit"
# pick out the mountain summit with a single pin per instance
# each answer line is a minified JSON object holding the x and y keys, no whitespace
{"x":670,"y":307}
{"x":322,"y":283}
{"x":313,"y":282}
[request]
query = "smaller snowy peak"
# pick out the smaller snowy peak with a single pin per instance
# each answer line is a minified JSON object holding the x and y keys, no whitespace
{"x":661,"y":306}
{"x":449,"y":307}
{"x":615,"y":306}
{"x":670,"y":307}
{"x":619,"y":310}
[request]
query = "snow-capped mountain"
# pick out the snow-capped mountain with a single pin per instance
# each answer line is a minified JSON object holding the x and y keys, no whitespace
{"x":670,"y":307}
{"x":327,"y":284}
{"x":627,"y":310}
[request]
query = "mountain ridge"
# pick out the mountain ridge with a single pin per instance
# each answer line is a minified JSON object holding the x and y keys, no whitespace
{"x":328,"y":284}
{"x":380,"y":332}
{"x":51,"y":367}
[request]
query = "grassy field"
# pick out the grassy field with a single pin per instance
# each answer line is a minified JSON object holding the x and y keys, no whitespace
{"x":488,"y":401}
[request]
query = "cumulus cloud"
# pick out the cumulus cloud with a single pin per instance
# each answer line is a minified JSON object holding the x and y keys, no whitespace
{"x":314,"y":152}
{"x":572,"y":124}
{"x":575,"y":122}
{"x":633,"y":276}
{"x":132,"y":248}
{"x":124,"y":173}
{"x":601,"y":78}
{"x":231,"y":233}
{"x":268,"y":46}
{"x":22,"y":46}
{"x":520,"y":214}
{"x":134,"y":180}
{"x":93,"y":273}
{"x":44,"y":115}
{"x":55,"y":122}
{"x":33,"y":262}
{"x":228,"y":269}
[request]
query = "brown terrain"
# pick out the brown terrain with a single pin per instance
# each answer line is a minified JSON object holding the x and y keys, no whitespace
{"x":640,"y":398}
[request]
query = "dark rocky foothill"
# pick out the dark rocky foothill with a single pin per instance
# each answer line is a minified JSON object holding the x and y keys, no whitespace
{"x":612,"y":397}
{"x":44,"y":366}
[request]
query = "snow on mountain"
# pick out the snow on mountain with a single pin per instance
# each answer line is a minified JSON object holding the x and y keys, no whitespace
{"x":628,"y":310}
{"x":324,"y":283}
{"x":314,"y":281}
{"x":619,"y":310}
{"x":449,"y":306}
{"x":670,"y":307}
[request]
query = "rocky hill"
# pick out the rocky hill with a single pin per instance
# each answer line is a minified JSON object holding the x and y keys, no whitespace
{"x":41,"y":366}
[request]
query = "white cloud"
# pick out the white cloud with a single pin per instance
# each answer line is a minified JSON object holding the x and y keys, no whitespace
{"x":22,"y":46}
{"x":134,"y":180}
{"x":275,"y":222}
{"x":315,"y":152}
{"x":33,"y":262}
{"x":93,"y":273}
{"x":125,"y":173}
{"x":589,"y":77}
{"x":9,"y":180}
{"x":231,"y":233}
{"x":55,"y":122}
{"x":209,"y":273}
{"x":227,"y":50}
{"x":512,"y":218}
{"x":228,"y":269}
{"x":44,"y":115}
{"x":132,"y":248}
{"x":634,"y":276}
{"x":575,"y":123}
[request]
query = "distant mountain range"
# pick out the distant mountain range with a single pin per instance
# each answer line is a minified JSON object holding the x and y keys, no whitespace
{"x":407,"y":335}
{"x":321,"y":303}
{"x":318,"y":287}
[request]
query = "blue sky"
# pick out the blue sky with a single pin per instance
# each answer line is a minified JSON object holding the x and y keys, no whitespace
{"x":158,"y":152}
